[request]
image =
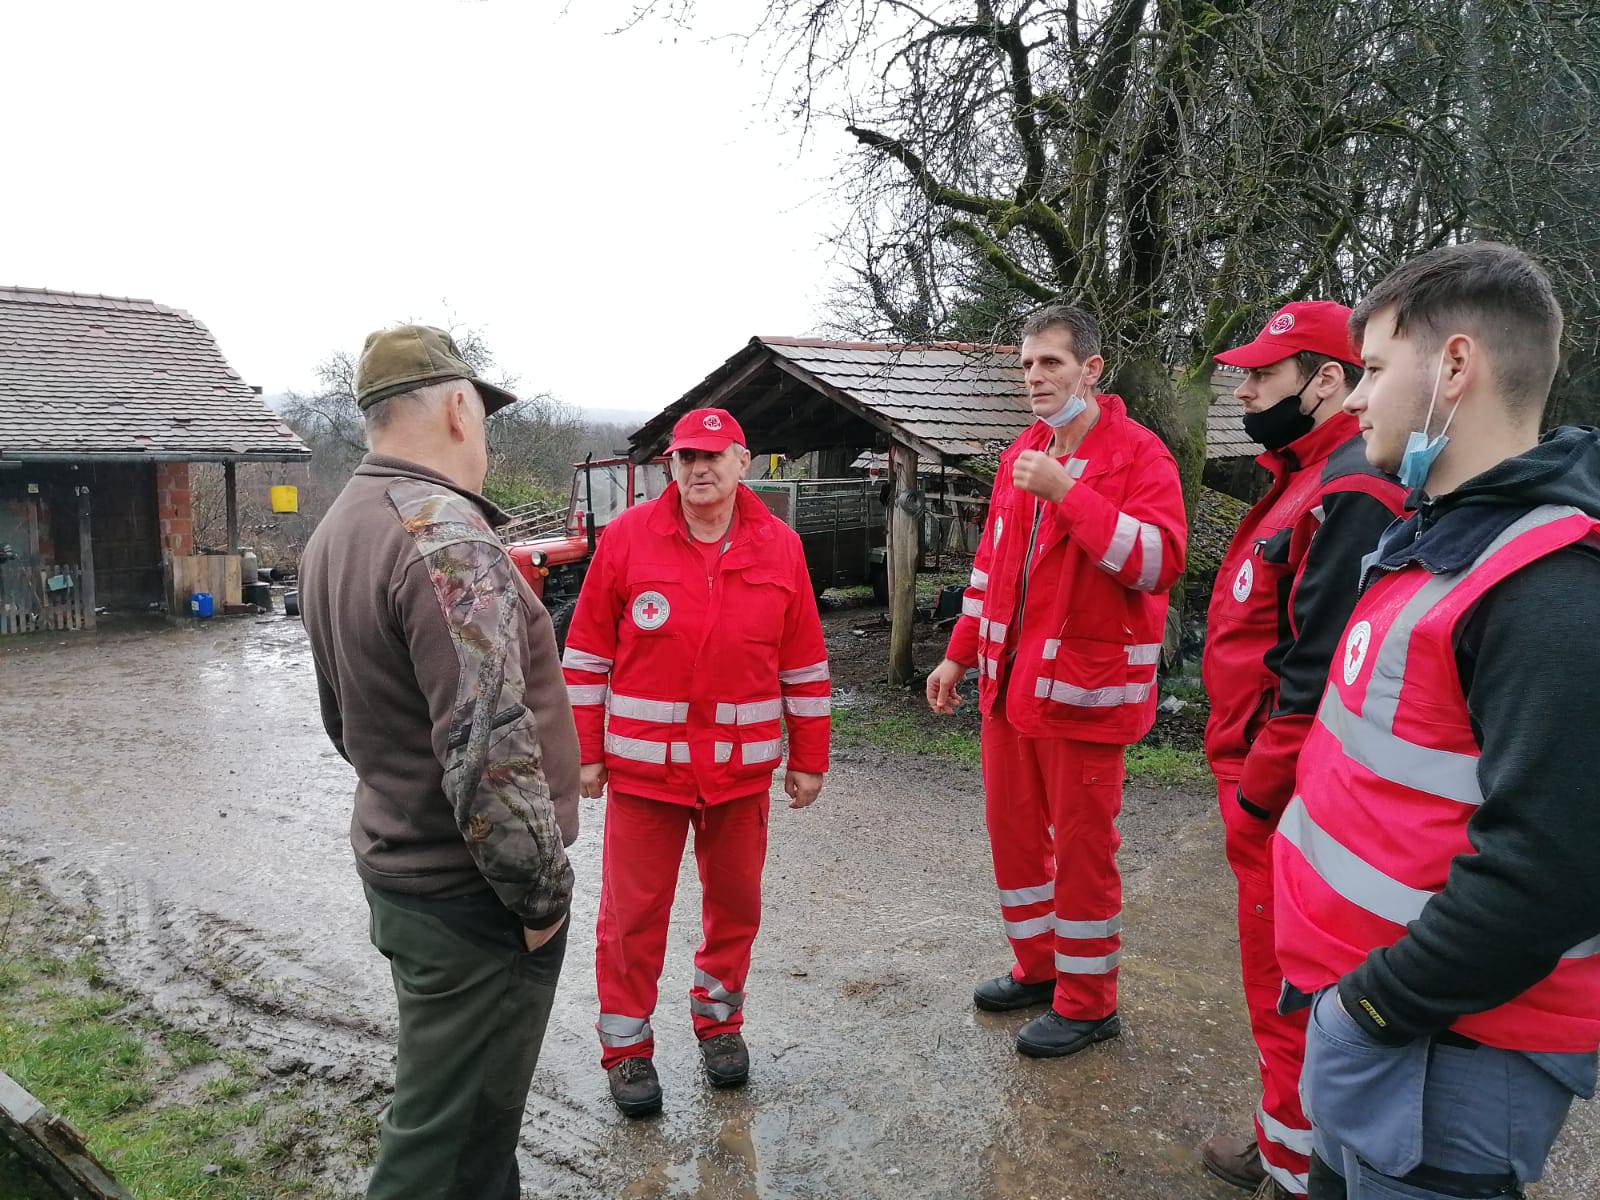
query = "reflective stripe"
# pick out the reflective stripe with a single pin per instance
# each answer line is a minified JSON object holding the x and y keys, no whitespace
{"x":1320,"y":513}
{"x":636,"y":749}
{"x":1011,"y":897}
{"x":1146,"y":654}
{"x":714,"y":1010}
{"x":760,"y":752}
{"x":1150,"y":561}
{"x":722,"y":752}
{"x":971,"y":606}
{"x":582,"y":660}
{"x":750,"y":713}
{"x":1295,"y":1185}
{"x":980,"y":580}
{"x":811,"y":674}
{"x":1436,"y":772}
{"x":1075,"y":467}
{"x":808,"y":706}
{"x":1347,"y":873}
{"x":1121,"y":543}
{"x":716,"y":989}
{"x":1032,"y":927}
{"x":988,"y":666}
{"x":1106,"y":697}
{"x":1298,"y":1140}
{"x":1072,"y":964}
{"x":680,"y":752}
{"x":617,"y":1032}
{"x":996,"y":633}
{"x":1584,"y":949}
{"x":586,"y":693}
{"x":1052,"y":647}
{"x":664,"y":712}
{"x":1089,"y":929}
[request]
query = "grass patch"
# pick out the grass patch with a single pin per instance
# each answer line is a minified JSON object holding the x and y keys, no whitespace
{"x":171,"y":1115}
{"x":1167,"y":766}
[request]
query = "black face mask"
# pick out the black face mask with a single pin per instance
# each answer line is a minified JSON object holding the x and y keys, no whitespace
{"x":1281,"y":424}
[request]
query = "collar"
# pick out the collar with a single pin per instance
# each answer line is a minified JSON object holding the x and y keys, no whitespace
{"x":1311,"y":448}
{"x":752,"y":519}
{"x":382,"y":466}
{"x":1113,"y":412}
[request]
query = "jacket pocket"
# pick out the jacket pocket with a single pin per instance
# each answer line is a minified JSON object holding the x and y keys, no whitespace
{"x":755,"y":603}
{"x":1365,"y":1095}
{"x":1088,"y":673}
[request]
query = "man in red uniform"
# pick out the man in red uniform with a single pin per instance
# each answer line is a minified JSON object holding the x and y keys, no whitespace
{"x":1282,"y":595}
{"x":1435,"y":869}
{"x":695,"y":632}
{"x":1063,"y":620}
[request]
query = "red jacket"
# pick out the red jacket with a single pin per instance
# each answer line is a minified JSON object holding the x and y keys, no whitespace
{"x":1389,"y":788}
{"x":1282,"y":595}
{"x":678,"y":686}
{"x":1081,"y":661}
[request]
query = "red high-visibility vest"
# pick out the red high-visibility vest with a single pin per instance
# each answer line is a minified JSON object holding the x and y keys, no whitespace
{"x":1388,"y":780}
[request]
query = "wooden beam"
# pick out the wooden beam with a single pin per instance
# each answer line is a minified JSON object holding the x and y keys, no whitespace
{"x":85,"y":558}
{"x":651,"y":438}
{"x":902,"y":564}
{"x":230,"y":478}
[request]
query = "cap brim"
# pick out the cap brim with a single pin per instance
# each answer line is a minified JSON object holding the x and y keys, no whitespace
{"x":703,"y":442}
{"x":1254,"y":355}
{"x":494,"y":398}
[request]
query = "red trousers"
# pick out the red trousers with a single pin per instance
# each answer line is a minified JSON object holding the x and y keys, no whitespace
{"x":639,"y":873}
{"x":1282,"y":1131}
{"x":1051,"y":807}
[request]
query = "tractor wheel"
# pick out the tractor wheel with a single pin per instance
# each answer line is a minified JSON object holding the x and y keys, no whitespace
{"x":561,"y":618}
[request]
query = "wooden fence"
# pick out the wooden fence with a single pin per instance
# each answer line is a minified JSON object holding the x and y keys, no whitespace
{"x":40,"y":597}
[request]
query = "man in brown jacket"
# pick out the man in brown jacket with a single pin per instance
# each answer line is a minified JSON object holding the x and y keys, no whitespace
{"x":439,"y":683}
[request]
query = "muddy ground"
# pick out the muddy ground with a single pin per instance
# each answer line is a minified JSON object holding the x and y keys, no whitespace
{"x":176,"y":779}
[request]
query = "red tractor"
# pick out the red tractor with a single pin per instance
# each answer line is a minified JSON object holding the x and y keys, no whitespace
{"x":552,"y":549}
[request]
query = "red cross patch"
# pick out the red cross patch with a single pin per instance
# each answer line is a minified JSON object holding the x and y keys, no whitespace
{"x":651,"y":610}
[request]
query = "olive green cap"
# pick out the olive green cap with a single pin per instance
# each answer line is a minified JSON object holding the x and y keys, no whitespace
{"x":407,"y":357}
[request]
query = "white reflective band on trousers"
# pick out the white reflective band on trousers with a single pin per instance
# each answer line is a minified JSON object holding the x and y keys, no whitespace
{"x":1072,"y":964}
{"x":1298,"y":1140}
{"x":586,"y":693}
{"x":815,"y":673}
{"x":1060,"y":927}
{"x":1014,"y":897}
{"x":720,"y":1003}
{"x":1295,"y":1185}
{"x":617,"y":1032}
{"x":582,"y":660}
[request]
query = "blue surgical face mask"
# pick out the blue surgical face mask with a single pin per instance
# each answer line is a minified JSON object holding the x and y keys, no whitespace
{"x":1420,"y":453}
{"x":1071,"y":410}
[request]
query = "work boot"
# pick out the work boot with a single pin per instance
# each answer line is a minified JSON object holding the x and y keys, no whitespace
{"x":1271,"y":1189}
{"x":1005,"y":994}
{"x":727,"y":1060}
{"x":1055,"y":1036}
{"x":635,"y":1087}
{"x":1234,"y":1159}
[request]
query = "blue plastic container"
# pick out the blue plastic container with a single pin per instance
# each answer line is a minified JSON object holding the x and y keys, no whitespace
{"x":201,"y":604}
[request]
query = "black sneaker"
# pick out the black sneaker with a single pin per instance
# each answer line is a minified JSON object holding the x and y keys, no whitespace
{"x":1005,"y":994}
{"x":635,"y":1087}
{"x":727,"y":1060}
{"x":1055,"y":1036}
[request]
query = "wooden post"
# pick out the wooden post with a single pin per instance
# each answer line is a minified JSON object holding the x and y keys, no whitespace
{"x":230,"y":477}
{"x":902,"y":563}
{"x":85,"y":559}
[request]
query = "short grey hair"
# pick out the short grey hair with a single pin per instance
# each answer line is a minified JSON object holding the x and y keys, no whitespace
{"x":1083,"y":331}
{"x":380,"y":416}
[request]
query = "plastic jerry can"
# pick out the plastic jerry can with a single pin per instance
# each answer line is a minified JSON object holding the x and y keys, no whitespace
{"x":201,"y":604}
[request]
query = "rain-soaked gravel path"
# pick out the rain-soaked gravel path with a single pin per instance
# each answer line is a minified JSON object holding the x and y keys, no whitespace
{"x":177,"y":778}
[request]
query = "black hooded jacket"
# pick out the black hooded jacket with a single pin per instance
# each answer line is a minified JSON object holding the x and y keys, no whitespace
{"x":1529,"y":660}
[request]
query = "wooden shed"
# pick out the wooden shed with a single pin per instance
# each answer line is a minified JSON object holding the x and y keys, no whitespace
{"x":104,"y":404}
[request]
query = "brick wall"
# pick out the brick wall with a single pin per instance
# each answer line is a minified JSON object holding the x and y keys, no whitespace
{"x":173,"y":508}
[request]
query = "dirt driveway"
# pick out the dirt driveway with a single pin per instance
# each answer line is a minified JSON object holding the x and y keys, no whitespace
{"x":176,"y":777}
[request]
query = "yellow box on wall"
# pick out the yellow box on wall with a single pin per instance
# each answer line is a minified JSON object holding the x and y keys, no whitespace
{"x":285,"y":498}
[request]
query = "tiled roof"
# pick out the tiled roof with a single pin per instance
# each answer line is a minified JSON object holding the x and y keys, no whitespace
{"x":1225,"y":435}
{"x":102,"y":375}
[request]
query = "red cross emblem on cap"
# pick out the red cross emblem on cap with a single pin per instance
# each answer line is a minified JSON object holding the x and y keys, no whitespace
{"x":712,"y":422}
{"x":1281,"y":324}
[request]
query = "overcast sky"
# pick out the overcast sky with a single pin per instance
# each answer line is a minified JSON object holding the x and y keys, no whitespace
{"x":617,"y":214}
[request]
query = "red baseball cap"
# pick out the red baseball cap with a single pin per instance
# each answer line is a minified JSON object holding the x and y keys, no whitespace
{"x":706,"y":429}
{"x":1320,"y":326}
